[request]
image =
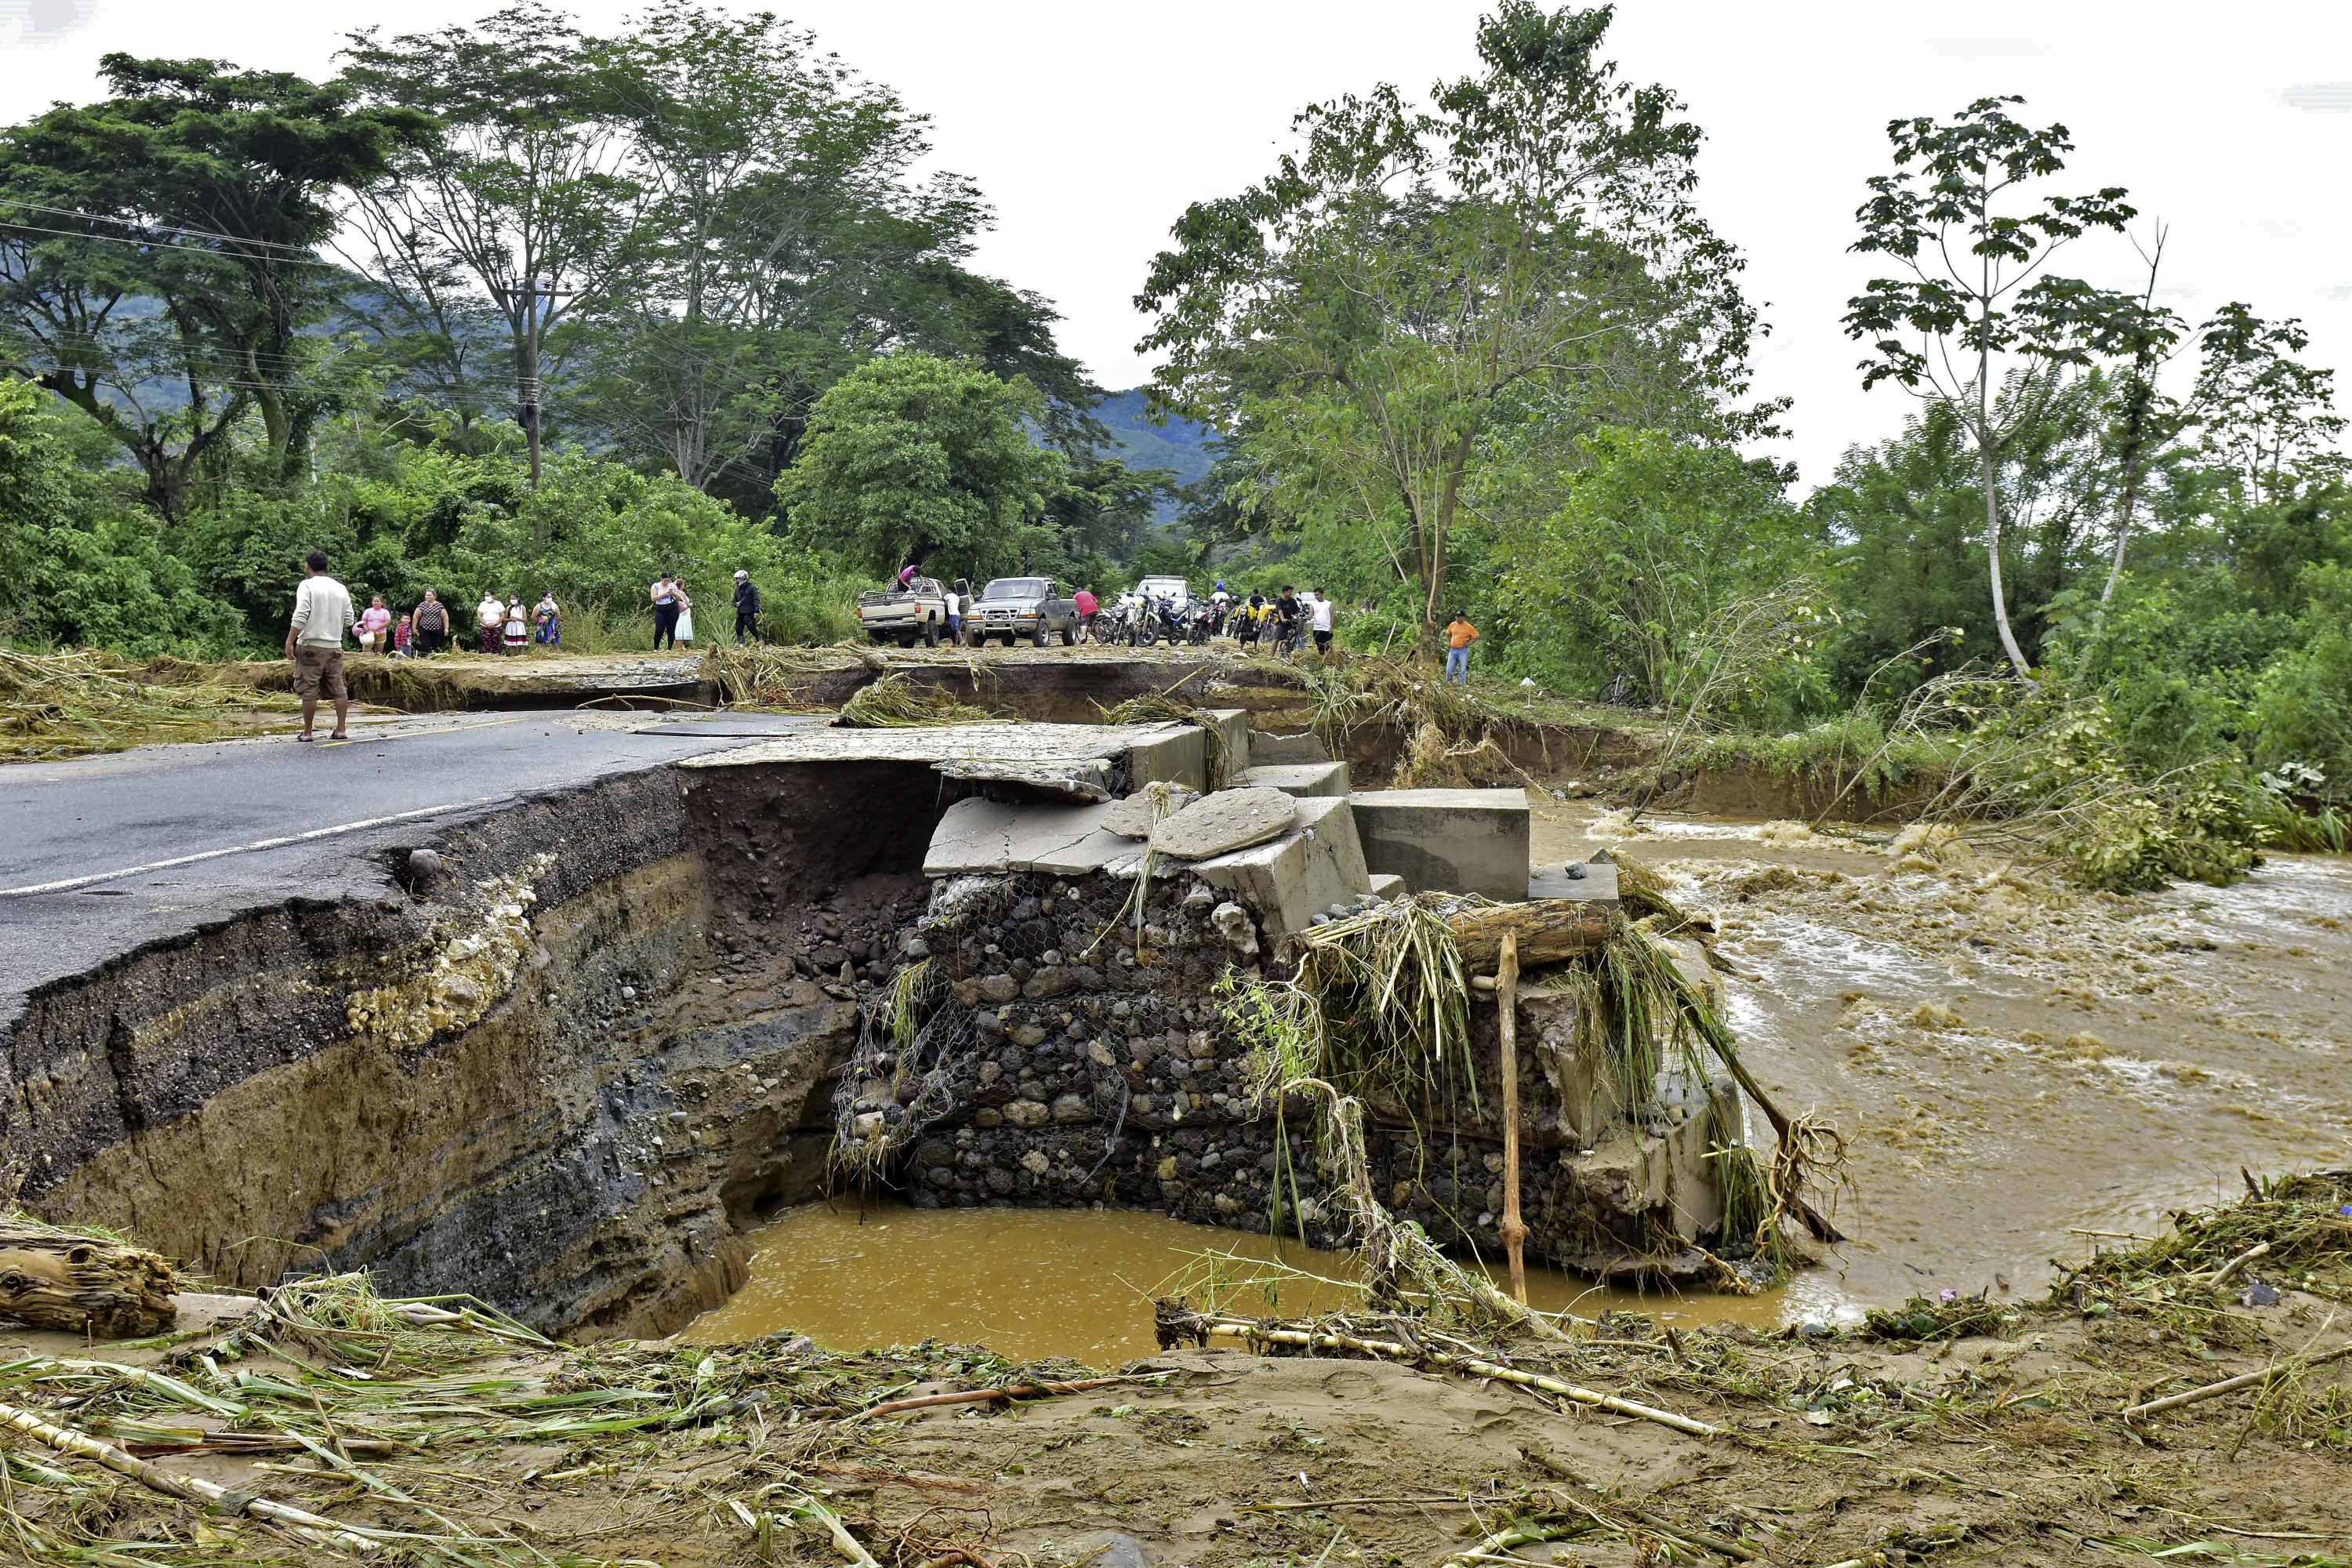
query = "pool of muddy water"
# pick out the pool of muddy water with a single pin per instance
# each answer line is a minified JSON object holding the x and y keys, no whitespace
{"x":1061,"y":1282}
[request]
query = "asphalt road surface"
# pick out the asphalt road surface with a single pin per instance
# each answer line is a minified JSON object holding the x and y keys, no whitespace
{"x":101,"y":854}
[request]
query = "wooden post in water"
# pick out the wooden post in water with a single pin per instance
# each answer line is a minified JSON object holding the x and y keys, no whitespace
{"x":1514,"y":1233}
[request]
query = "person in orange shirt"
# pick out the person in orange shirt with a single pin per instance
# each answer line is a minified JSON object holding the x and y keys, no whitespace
{"x":1459,"y":634}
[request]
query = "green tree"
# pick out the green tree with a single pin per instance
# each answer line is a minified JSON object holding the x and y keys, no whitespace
{"x":1365,"y":320}
{"x":783,"y":237}
{"x":1658,"y":539}
{"x":158,"y":263}
{"x":912,"y":458}
{"x":525,"y":198}
{"x":2268,"y":419}
{"x":1979,"y":298}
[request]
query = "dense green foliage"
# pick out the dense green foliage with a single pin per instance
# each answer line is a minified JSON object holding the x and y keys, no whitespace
{"x":910,"y":458}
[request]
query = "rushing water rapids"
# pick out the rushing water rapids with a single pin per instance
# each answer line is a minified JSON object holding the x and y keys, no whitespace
{"x":2015,"y":1064}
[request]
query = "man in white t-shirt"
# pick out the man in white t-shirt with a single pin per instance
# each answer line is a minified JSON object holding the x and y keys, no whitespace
{"x":1320,"y":608}
{"x":314,"y":643}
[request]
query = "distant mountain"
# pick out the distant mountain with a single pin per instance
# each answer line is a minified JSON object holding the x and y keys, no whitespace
{"x":1178,"y":445}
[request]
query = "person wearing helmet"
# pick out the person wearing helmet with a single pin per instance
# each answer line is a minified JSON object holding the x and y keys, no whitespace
{"x":747,"y":609}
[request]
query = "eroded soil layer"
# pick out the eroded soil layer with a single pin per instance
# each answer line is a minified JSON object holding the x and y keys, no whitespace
{"x":560,"y":1061}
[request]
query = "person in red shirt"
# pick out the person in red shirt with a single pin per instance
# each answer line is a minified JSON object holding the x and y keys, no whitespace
{"x":1085,"y":605}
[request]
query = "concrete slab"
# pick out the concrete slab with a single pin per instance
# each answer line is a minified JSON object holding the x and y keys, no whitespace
{"x":1298,"y":778}
{"x":1176,"y":753}
{"x":978,"y":834}
{"x":1160,"y":749}
{"x":1330,"y":819}
{"x":1447,"y":840}
{"x":1233,"y":726}
{"x":1598,"y":883}
{"x":1388,"y":886}
{"x":1228,"y":820}
{"x":1298,"y":875}
{"x":1304,"y":747}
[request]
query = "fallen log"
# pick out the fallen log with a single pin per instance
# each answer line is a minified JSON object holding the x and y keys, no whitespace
{"x":82,"y":1284}
{"x":1549,"y":930}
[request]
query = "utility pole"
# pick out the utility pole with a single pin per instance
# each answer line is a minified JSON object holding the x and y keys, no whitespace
{"x":533,"y":328}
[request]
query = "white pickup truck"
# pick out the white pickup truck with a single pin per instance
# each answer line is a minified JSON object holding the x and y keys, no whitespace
{"x":919,"y":610}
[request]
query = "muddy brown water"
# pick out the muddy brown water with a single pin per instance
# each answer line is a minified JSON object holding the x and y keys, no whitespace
{"x":2023,"y":1073}
{"x":2014,"y":1064}
{"x":1058,"y":1282}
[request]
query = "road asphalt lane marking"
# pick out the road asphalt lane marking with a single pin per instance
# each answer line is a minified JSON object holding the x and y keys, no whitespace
{"x":71,"y":883}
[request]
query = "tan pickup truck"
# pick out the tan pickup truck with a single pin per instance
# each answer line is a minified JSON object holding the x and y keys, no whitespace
{"x":903,"y":616}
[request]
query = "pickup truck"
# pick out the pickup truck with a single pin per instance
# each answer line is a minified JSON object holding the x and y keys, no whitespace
{"x":1175,"y":590}
{"x":902,"y":615}
{"x":1032,"y":608}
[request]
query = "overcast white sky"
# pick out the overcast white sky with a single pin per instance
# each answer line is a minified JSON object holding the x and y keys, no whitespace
{"x":1090,"y":125}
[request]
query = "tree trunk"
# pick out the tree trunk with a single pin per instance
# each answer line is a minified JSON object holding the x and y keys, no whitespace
{"x":82,"y":1284}
{"x":1548,"y":930}
{"x":1990,"y":467}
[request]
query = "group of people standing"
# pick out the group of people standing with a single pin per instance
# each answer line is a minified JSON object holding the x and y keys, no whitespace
{"x":673,"y":609}
{"x":501,"y":626}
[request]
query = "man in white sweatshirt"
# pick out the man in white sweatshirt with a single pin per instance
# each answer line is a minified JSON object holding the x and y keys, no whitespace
{"x":314,"y":642}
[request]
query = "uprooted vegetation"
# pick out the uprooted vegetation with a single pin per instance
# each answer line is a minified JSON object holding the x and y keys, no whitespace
{"x":324,"y":1422}
{"x":1374,"y":1024}
{"x":57,"y":705}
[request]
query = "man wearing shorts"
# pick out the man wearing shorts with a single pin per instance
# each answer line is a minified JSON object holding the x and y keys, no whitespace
{"x":314,"y":641}
{"x":1320,"y":609}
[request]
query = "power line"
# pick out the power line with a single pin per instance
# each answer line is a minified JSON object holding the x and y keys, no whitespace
{"x":306,"y":252}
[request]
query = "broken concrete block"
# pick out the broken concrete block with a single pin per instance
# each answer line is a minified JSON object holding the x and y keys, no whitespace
{"x":1447,"y":840}
{"x":1178,"y":754}
{"x":1303,"y":747}
{"x":978,"y":835}
{"x":1233,"y":727}
{"x":1132,"y":816}
{"x":1388,"y":885}
{"x":1294,"y":878}
{"x":1298,"y":778}
{"x":1221,"y":823}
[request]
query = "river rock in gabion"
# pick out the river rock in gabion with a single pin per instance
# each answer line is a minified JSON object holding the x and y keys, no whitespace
{"x":1228,"y":820}
{"x":1132,"y":816}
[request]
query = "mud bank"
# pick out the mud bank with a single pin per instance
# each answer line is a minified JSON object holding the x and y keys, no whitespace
{"x":561,"y":1060}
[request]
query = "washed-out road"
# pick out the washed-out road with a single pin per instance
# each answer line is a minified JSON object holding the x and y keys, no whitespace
{"x":100,"y":855}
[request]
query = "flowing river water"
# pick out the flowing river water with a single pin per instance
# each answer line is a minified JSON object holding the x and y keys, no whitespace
{"x":2022,"y":1072}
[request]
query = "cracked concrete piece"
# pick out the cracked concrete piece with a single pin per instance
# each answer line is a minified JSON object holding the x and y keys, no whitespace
{"x":1132,"y":816}
{"x":1298,"y":876}
{"x":1302,"y":747}
{"x":1222,"y":822}
{"x":1448,"y":840}
{"x":1388,"y":885}
{"x":1302,"y":779}
{"x":1153,"y":750}
{"x":989,"y":836}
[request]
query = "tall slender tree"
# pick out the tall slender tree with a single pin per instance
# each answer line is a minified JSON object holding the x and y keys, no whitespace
{"x":525,"y":195}
{"x":1978,"y":299}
